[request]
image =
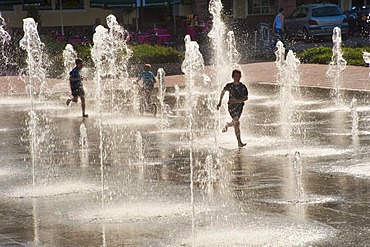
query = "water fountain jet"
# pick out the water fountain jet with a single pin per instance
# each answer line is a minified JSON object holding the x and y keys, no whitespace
{"x":337,"y":64}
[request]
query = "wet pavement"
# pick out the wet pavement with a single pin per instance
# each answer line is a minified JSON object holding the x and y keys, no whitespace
{"x":154,"y":181}
{"x":312,"y":75}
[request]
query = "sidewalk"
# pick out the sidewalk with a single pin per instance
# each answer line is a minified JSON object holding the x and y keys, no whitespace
{"x":311,"y":75}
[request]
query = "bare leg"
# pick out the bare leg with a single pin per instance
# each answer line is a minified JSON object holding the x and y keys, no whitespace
{"x":227,"y":125}
{"x":147,"y":96}
{"x":83,"y":106}
{"x":237,"y":132}
{"x":71,"y":98}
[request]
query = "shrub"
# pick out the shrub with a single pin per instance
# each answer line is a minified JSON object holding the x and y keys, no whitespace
{"x":353,"y":56}
{"x":319,"y":54}
{"x":155,"y":54}
{"x":141,"y":54}
{"x":323,"y":55}
{"x":54,"y":53}
{"x":84,"y":52}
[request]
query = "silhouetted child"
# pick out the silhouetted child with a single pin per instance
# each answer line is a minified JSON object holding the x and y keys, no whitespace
{"x":148,"y":79}
{"x":238,"y":93}
{"x":77,"y":89}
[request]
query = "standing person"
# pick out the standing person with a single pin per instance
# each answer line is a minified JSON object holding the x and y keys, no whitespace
{"x":148,"y":79}
{"x":196,"y":27}
{"x":77,"y":89}
{"x":195,"y":21}
{"x":238,"y":93}
{"x":278,"y":27}
{"x":97,"y":23}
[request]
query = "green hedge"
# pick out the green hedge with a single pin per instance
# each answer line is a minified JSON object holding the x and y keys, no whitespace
{"x":155,"y":54}
{"x":323,"y":55}
{"x":54,"y":53}
{"x":141,"y":54}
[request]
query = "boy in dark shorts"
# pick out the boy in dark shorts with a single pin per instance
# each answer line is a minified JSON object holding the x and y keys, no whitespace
{"x":238,"y":93}
{"x":77,"y":89}
{"x":148,"y":79}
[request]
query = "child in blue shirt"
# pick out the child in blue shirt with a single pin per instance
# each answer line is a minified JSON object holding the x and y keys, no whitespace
{"x":148,"y":79}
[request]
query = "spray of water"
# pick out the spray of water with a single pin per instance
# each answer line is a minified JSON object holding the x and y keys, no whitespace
{"x":297,"y":170}
{"x":84,"y":154}
{"x":337,"y":64}
{"x":354,"y":116}
{"x":280,"y":61}
{"x":101,"y":55}
{"x":177,"y":95}
{"x":83,"y":137}
{"x":288,"y":79}
{"x":139,"y":147}
{"x":36,"y":62}
{"x":140,"y":153}
{"x":207,"y":176}
{"x":4,"y":35}
{"x":120,"y":54}
{"x":366,"y":57}
{"x":233,"y":54}
{"x":164,"y":108}
{"x":4,"y":58}
{"x":221,"y":65}
{"x":192,"y":64}
{"x":69,"y":58}
{"x":34,"y":77}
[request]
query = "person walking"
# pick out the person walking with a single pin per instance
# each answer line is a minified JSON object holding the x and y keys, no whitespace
{"x":278,"y":27}
{"x":238,"y":94}
{"x":77,"y":90}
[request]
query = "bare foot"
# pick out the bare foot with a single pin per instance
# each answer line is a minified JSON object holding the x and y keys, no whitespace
{"x":242,"y":144}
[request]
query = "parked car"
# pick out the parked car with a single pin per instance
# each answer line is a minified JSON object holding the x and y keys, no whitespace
{"x":353,"y":20}
{"x":316,"y":20}
{"x":363,"y":21}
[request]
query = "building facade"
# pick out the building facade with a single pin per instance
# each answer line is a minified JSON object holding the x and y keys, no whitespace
{"x":60,"y":14}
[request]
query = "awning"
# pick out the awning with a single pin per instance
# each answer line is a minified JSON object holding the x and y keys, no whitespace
{"x":19,"y":2}
{"x":115,"y":4}
{"x":10,"y":2}
{"x":157,"y":3}
{"x":112,"y":4}
{"x":32,"y":1}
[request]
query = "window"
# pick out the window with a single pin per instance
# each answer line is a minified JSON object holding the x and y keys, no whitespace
{"x":326,"y":11}
{"x":7,"y":5}
{"x":6,"y":8}
{"x":70,"y":4}
{"x":261,"y":7}
{"x":46,"y":4}
{"x":300,"y":13}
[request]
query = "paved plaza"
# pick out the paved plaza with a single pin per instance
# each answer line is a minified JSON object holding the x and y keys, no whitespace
{"x":118,"y":178}
{"x":311,"y":75}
